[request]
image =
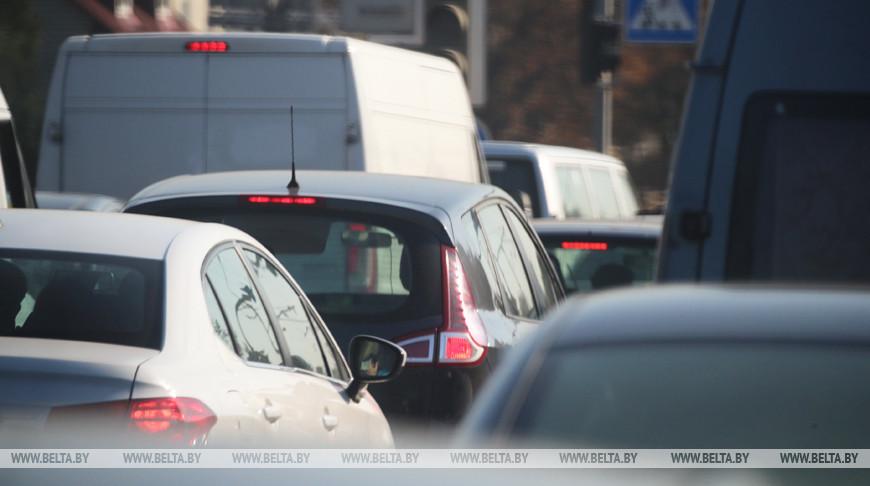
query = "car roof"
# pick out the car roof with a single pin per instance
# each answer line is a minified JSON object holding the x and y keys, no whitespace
{"x":722,"y":313}
{"x":125,"y":235}
{"x":504,"y":148}
{"x":398,"y":190}
{"x":598,"y":228}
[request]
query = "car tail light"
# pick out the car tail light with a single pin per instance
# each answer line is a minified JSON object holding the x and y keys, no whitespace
{"x":179,"y":420}
{"x":462,"y":340}
{"x":207,"y":46}
{"x":584,"y":245}
{"x":171,"y":420}
{"x":297,"y":200}
{"x":420,"y":347}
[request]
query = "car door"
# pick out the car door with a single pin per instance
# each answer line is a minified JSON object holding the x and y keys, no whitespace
{"x":519,"y":312}
{"x":291,"y":402}
{"x":310,"y":351}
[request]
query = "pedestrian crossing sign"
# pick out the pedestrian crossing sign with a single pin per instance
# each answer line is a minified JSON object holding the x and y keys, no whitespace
{"x":661,"y":21}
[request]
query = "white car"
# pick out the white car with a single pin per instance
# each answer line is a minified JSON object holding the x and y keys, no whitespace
{"x":561,"y":182}
{"x":183,"y":333}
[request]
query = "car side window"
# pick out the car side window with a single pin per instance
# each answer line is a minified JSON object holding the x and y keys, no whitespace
{"x":332,"y":355}
{"x":538,"y":262}
{"x":480,"y":269}
{"x":243,"y":308}
{"x":605,"y":196}
{"x":575,"y":195}
{"x":292,"y":317}
{"x":516,"y":290}
{"x":216,"y":315}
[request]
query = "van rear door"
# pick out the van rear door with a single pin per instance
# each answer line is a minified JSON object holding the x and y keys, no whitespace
{"x":131,"y":119}
{"x":250,"y":95}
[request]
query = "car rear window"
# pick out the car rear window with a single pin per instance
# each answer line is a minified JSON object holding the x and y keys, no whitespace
{"x":710,"y":396}
{"x":81,"y":297}
{"x":587,"y":263}
{"x":354,"y":266}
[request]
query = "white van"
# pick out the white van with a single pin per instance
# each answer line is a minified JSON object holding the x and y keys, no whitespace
{"x":561,"y":182}
{"x":15,"y":189}
{"x":125,"y":111}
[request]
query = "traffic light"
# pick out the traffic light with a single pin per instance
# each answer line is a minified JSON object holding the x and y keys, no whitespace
{"x":599,"y":43}
{"x":447,"y":29}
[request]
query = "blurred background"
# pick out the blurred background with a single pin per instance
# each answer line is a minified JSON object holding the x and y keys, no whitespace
{"x":524,"y":60}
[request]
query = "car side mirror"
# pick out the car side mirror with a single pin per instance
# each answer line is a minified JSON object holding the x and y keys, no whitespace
{"x":372,"y":360}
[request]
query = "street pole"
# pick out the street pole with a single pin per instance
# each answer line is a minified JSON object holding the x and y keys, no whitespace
{"x":604,"y":114}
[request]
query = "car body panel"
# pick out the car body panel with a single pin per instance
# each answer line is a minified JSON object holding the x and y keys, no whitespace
{"x":193,"y":361}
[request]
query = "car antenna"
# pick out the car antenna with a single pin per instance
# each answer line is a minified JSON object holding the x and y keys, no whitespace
{"x":292,"y":186}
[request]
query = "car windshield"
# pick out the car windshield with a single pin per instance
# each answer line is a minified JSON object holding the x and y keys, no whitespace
{"x":354,"y":267}
{"x":78,"y":297}
{"x":587,"y":263}
{"x":700,"y":396}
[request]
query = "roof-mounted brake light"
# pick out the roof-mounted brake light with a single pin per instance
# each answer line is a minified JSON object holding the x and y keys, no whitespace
{"x":294,"y":200}
{"x":207,"y":46}
{"x":584,"y":245}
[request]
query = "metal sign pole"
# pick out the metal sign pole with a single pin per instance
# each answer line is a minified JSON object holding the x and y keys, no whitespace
{"x":604,"y":113}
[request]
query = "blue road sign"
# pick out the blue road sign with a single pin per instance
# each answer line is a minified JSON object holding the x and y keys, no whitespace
{"x":661,"y":21}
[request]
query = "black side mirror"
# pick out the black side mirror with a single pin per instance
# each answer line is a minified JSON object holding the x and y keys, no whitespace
{"x":372,"y":360}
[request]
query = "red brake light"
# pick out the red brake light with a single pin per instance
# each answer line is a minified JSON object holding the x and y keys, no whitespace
{"x":463,"y":337}
{"x":184,"y":420}
{"x":297,"y":200}
{"x":584,"y":245}
{"x":176,"y":420}
{"x":207,"y":46}
{"x":458,"y":348}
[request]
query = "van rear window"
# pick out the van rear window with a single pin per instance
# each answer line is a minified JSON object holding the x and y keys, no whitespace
{"x":79,"y":297}
{"x":800,"y":197}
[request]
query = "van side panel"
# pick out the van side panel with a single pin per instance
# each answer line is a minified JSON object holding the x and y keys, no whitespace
{"x":130,"y":120}
{"x":249,"y":111}
{"x":417,"y":120}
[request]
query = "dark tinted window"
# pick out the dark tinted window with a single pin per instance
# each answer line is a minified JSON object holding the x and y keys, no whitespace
{"x":516,"y":290}
{"x":243,"y":308}
{"x":354,"y":266}
{"x":589,"y":263}
{"x":700,"y":396}
{"x":800,"y":198}
{"x":517,"y":177}
{"x":292,"y":317}
{"x":81,"y":297}
{"x":538,"y":263}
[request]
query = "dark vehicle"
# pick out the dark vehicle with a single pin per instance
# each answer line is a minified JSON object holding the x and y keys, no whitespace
{"x":770,"y":173}
{"x":689,"y":367}
{"x":598,"y":255}
{"x":450,"y":271}
{"x":15,"y":188}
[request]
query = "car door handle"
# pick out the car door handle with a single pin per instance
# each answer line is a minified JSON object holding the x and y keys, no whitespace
{"x":330,"y":422}
{"x":271,"y":413}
